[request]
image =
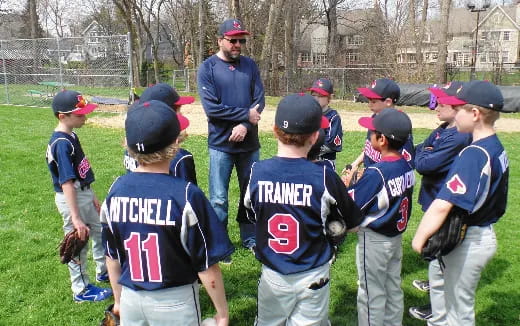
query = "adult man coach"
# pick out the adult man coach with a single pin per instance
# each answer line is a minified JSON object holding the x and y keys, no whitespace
{"x":232,"y":95}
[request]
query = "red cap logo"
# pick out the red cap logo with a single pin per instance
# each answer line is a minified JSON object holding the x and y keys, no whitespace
{"x":236,"y":25}
{"x":81,"y":102}
{"x":320,"y":83}
{"x":373,"y":84}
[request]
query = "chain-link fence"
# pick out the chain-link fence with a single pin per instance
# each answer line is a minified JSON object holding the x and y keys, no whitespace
{"x":33,"y":70}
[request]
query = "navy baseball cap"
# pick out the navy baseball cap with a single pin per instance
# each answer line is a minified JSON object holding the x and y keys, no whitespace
{"x":299,"y":114}
{"x":322,"y":86}
{"x":392,"y":123}
{"x":165,"y":93}
{"x":68,"y":101}
{"x":450,"y":89}
{"x":382,"y":88}
{"x":477,"y":92}
{"x":232,"y":27}
{"x":150,"y":127}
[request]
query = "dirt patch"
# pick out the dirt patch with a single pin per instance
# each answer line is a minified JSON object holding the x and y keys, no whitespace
{"x":199,"y":125}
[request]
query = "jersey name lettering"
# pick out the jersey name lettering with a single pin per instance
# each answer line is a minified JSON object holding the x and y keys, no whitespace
{"x":399,"y":185}
{"x":296,"y":194}
{"x":371,"y":153}
{"x":140,"y":210}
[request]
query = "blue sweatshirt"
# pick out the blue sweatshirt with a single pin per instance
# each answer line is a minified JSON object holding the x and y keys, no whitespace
{"x":228,"y":90}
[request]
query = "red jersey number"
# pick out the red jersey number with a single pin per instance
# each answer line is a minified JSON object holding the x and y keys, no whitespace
{"x":403,"y":209}
{"x":135,"y":247}
{"x":285,"y":230}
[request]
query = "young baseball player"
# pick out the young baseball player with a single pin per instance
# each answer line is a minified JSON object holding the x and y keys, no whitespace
{"x":182,"y":165}
{"x":478,"y":183}
{"x":433,"y":159}
{"x":382,"y":93}
{"x":384,"y":195}
{"x":72,"y":177}
{"x":289,"y":198}
{"x":160,"y":233}
{"x":322,"y":91}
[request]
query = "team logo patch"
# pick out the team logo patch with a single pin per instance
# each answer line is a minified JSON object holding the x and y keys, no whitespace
{"x":456,"y":186}
{"x":437,"y":135}
{"x":83,"y":168}
{"x":373,"y":84}
{"x":337,"y":140}
{"x":406,"y":155}
{"x":447,"y":85}
{"x":236,"y":25}
{"x":232,"y":68}
{"x":320,"y":84}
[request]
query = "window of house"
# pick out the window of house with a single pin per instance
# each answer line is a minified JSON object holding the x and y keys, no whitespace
{"x":506,"y":36}
{"x":320,"y":59}
{"x":505,"y":56}
{"x":483,"y":57}
{"x":435,"y":56}
{"x":358,"y":40}
{"x":493,"y":56}
{"x":484,"y":36}
{"x":495,"y":35}
{"x":352,"y":57}
{"x":306,"y":57}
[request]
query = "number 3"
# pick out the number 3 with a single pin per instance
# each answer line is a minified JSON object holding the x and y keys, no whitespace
{"x":403,"y":209}
{"x":285,"y":230}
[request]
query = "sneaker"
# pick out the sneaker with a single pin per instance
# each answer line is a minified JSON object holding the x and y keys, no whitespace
{"x":227,"y":260}
{"x":93,"y":293}
{"x":102,"y":278}
{"x":423,"y":286}
{"x":422,"y":312}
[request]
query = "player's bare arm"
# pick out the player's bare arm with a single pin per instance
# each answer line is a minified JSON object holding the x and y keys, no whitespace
{"x":254,"y":115}
{"x":114,"y":272}
{"x":70,"y":196}
{"x":431,"y":222}
{"x":214,"y":285}
{"x":96,"y":204}
{"x":357,"y":161}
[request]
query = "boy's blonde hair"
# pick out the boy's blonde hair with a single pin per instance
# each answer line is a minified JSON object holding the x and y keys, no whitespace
{"x":164,"y":154}
{"x":489,"y":117}
{"x":298,"y":140}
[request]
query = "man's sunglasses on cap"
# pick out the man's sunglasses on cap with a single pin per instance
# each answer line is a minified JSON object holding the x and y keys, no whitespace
{"x":235,"y":40}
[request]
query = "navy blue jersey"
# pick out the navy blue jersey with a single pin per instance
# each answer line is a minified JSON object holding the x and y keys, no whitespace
{"x":333,"y":136}
{"x":434,"y":157}
{"x":162,"y":230}
{"x":289,"y":199}
{"x":181,"y":166}
{"x":228,"y":90}
{"x":327,"y":163}
{"x":66,"y":161}
{"x":478,"y":181}
{"x":384,"y":195}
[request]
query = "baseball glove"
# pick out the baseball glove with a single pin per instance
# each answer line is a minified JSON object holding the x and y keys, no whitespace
{"x":449,"y":236}
{"x":110,"y":318}
{"x":71,"y":246}
{"x":350,"y":176}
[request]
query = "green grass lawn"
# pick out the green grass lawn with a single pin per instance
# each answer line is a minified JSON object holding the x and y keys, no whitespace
{"x":35,"y":288}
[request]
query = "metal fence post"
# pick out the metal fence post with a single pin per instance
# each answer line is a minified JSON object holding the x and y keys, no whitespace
{"x":59,"y":61}
{"x":5,"y":72}
{"x":187,"y":79}
{"x":130,"y":70}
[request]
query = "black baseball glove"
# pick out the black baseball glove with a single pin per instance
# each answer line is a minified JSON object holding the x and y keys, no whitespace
{"x":449,"y":236}
{"x":350,"y":176}
{"x":70,"y":247}
{"x":110,"y":318}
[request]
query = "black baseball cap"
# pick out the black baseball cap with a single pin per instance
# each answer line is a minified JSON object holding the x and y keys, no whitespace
{"x":477,"y":92}
{"x":165,"y":93}
{"x":382,"y":88}
{"x":392,"y":123}
{"x":299,"y":114}
{"x":450,"y":89}
{"x":151,"y":126}
{"x":322,"y":86}
{"x":232,"y":27}
{"x":68,"y":101}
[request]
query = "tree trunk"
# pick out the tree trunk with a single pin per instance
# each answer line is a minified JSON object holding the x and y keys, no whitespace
{"x":443,"y":42}
{"x":332,"y":36}
{"x":202,"y":33}
{"x":235,"y":9}
{"x":290,"y":51}
{"x":265,"y":59}
{"x":422,"y":31}
{"x":125,"y":10}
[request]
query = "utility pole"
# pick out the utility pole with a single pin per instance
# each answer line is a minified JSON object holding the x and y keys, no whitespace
{"x":471,"y":7}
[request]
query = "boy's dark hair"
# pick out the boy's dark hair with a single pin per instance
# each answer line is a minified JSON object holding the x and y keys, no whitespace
{"x":298,"y":140}
{"x":392,"y":143}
